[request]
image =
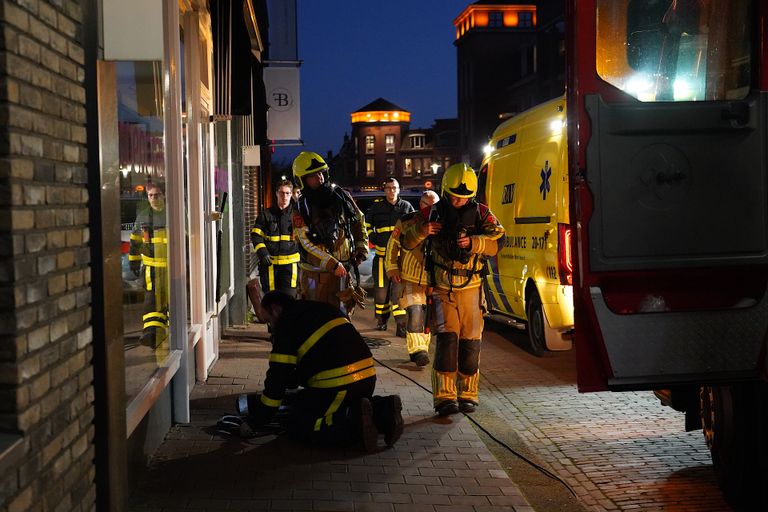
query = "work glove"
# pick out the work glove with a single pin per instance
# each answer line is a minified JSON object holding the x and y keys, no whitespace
{"x":359,"y":257}
{"x":352,"y":297}
{"x":265,"y":260}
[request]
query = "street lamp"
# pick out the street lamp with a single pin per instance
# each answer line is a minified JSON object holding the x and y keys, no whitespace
{"x":435,"y":167}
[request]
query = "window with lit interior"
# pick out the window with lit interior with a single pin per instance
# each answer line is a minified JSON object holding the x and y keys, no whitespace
{"x":370,"y":143}
{"x":389,"y":143}
{"x":669,"y":50}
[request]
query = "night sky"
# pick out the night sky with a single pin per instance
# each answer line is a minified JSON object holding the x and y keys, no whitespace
{"x":356,"y":51}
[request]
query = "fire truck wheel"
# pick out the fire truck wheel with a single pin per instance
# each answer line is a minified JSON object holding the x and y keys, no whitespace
{"x":734,"y":419}
{"x":536,"y":333}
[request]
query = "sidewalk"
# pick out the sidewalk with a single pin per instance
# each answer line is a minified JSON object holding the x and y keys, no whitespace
{"x":438,"y":465}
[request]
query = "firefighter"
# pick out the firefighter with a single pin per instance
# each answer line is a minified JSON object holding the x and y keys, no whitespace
{"x":149,"y":249}
{"x":275,"y":245}
{"x":329,"y":228}
{"x":314,"y":344}
{"x":406,"y":268}
{"x":380,"y":221}
{"x":460,"y":234}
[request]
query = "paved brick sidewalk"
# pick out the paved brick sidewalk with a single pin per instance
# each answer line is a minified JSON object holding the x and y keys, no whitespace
{"x":439,"y":465}
{"x":618,"y":451}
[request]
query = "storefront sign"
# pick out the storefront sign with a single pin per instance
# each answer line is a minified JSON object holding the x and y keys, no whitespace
{"x":133,"y":30}
{"x":283,"y":117}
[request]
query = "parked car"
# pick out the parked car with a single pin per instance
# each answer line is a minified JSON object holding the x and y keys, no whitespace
{"x":364,"y":200}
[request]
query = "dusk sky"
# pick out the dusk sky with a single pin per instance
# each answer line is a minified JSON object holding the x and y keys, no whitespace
{"x":356,"y":51}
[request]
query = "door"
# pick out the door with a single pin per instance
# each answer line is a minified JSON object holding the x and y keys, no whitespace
{"x":202,"y":208}
{"x":669,"y":198}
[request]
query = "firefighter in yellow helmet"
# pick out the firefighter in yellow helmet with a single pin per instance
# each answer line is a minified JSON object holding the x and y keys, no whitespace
{"x":459,"y":234}
{"x":330,"y":230}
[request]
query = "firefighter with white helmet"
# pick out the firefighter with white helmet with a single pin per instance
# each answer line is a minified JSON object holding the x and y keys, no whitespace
{"x":406,"y":267}
{"x":329,"y":228}
{"x":461,"y":234}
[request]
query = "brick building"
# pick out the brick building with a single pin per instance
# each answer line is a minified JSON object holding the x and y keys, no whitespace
{"x":384,"y":145}
{"x":510,"y":57}
{"x":94,"y":118}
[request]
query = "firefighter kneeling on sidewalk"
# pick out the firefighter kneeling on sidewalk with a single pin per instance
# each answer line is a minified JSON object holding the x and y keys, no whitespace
{"x":462,"y":234}
{"x":315,"y":346}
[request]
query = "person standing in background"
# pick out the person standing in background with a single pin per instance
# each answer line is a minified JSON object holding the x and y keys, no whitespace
{"x":380,"y":222}
{"x":274,"y":243}
{"x":149,"y":250}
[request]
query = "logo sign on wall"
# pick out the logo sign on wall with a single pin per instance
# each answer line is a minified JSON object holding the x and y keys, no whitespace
{"x":282,"y":86}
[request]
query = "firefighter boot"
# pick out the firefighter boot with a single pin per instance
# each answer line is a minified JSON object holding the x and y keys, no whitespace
{"x":421,"y":358}
{"x":388,"y":417}
{"x":368,"y":433}
{"x":400,"y":332}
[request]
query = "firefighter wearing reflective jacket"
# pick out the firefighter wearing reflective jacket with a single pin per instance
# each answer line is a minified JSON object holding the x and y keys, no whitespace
{"x":463,"y":233}
{"x":380,"y":221}
{"x":314,"y":344}
{"x":275,"y":245}
{"x":149,"y":252}
{"x":406,"y":268}
{"x":329,"y":228}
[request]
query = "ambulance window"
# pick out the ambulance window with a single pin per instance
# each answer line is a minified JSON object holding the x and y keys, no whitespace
{"x":676,"y":50}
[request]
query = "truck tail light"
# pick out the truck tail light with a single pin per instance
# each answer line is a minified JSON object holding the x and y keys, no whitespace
{"x":564,"y":260}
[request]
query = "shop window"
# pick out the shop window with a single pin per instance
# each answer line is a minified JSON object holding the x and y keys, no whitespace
{"x":666,"y":51}
{"x":144,"y":222}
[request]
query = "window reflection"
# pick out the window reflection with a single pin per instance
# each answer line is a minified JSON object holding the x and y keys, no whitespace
{"x":143,"y":218}
{"x":675,"y":50}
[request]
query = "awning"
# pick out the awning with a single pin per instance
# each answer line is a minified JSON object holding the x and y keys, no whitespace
{"x":238,"y":90}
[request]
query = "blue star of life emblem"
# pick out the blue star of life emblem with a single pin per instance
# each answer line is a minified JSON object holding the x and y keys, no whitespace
{"x":546,"y":172}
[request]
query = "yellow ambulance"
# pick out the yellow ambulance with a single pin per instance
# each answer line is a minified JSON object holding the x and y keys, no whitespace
{"x":524,"y":181}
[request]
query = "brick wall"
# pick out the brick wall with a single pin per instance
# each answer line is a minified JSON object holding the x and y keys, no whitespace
{"x":46,"y":376}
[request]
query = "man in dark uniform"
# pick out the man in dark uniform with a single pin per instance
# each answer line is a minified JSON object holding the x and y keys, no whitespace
{"x":275,"y":245}
{"x":329,"y":228}
{"x":314,"y":344}
{"x":380,"y":222}
{"x":149,"y":249}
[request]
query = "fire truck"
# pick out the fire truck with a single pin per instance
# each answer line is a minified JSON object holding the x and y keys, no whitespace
{"x":667,"y":112}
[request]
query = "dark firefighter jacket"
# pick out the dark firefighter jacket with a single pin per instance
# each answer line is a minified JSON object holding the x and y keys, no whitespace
{"x":272,"y":234}
{"x":451,"y":267}
{"x":313,"y":345}
{"x":149,"y":242}
{"x":380,"y":221}
{"x":329,"y":228}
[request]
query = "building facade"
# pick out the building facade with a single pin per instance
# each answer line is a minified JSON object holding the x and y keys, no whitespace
{"x":125,"y":243}
{"x":383,"y":145}
{"x":510,"y":57}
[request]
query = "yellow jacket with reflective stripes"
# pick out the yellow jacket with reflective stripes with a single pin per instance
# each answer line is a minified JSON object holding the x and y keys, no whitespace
{"x":409,"y":263}
{"x":314,"y":346}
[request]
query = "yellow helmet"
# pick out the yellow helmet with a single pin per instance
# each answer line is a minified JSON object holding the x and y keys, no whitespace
{"x":460,"y":180}
{"x":307,"y":163}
